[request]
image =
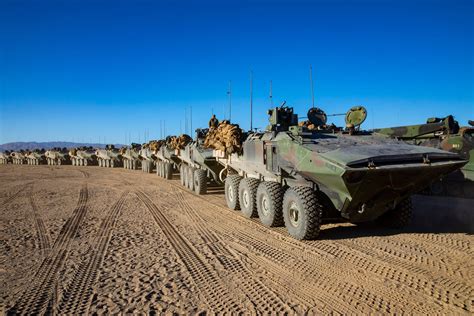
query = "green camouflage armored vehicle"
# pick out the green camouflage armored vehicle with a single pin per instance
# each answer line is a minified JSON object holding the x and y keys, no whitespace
{"x":293,"y":175}
{"x":57,"y":156}
{"x":109,"y":157}
{"x":18,"y":157}
{"x":131,"y":156}
{"x":36,"y":157}
{"x":445,"y":134}
{"x":198,"y":166}
{"x":5,"y":157}
{"x":83,"y":156}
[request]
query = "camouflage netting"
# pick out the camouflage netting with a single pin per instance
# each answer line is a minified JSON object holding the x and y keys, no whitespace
{"x":226,"y":137}
{"x":178,"y":142}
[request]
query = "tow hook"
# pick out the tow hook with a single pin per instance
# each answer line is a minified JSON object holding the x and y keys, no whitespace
{"x":426,"y":160}
{"x":362,"y":209}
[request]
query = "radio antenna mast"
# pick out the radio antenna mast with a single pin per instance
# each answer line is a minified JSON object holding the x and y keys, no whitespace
{"x":191,"y":119}
{"x":230,"y":99}
{"x":311,"y":82}
{"x":271,"y":93}
{"x":251,"y":100}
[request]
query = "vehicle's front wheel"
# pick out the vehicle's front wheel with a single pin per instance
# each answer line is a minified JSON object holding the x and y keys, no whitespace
{"x":302,"y":213}
{"x":398,"y":217}
{"x":231,"y":188}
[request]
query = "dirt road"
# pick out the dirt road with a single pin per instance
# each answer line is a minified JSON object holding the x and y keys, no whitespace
{"x":96,"y":240}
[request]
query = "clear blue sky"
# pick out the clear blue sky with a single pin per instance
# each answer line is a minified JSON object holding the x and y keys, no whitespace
{"x":80,"y":70}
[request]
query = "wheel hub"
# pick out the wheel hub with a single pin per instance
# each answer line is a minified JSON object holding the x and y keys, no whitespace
{"x":294,"y":214}
{"x":265,"y":206}
{"x":231,"y":193}
{"x":246,"y":198}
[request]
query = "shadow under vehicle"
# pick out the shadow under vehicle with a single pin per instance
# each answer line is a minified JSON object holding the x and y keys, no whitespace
{"x":297,"y":176}
{"x":446,"y":134}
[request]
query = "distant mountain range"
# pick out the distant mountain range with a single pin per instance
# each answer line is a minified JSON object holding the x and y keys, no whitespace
{"x":48,"y":145}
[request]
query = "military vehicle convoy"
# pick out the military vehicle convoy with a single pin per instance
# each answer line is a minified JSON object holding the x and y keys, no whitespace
{"x":35,"y":157}
{"x":83,"y":156}
{"x":131,"y":156}
{"x":109,"y":157}
{"x":198,"y":165}
{"x":298,"y":174}
{"x":446,"y":134}
{"x":293,"y":175}
{"x":57,"y":156}
{"x":5,"y":157}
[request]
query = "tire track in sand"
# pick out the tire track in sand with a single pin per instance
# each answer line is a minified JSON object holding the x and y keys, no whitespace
{"x":407,"y":279}
{"x":211,"y":286}
{"x":43,"y":235}
{"x":78,"y":295}
{"x":263,"y":298}
{"x":37,"y":297}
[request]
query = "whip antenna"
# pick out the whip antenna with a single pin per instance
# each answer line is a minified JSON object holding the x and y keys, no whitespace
{"x":271,"y":93}
{"x":311,"y":82}
{"x":251,"y":100}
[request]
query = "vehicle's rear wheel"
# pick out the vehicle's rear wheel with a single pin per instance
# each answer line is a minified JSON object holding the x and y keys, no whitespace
{"x":85,"y":162}
{"x":302,"y":213}
{"x":185,"y":175}
{"x":59,"y":162}
{"x":181,"y":174}
{"x":269,"y":204}
{"x":168,"y":171}
{"x":398,"y":217}
{"x":200,"y":181}
{"x":191,"y":178}
{"x":231,"y":188}
{"x":248,"y":197}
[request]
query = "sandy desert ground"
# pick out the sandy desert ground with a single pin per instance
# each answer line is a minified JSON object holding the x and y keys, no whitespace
{"x":95,"y":240}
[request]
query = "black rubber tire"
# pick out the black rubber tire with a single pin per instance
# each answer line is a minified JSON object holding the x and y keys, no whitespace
{"x":185,"y":175}
{"x":398,"y":217}
{"x":181,"y":175}
{"x":269,"y":204}
{"x":248,"y":197}
{"x":190,"y":185}
{"x":231,"y":187}
{"x":200,"y":181}
{"x":302,"y":213}
{"x":168,"y":171}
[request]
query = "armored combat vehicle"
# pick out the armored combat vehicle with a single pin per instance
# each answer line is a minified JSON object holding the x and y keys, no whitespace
{"x":293,"y":175}
{"x":147,"y":155}
{"x":446,"y":134}
{"x":18,"y":157}
{"x":83,"y":156}
{"x":36,"y":157}
{"x":198,"y":165}
{"x":130,"y":156}
{"x":168,"y":158}
{"x":5,"y":157}
{"x":57,"y":156}
{"x":109,"y":157}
